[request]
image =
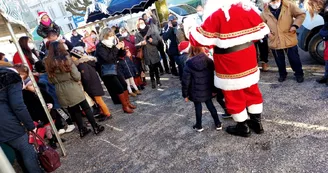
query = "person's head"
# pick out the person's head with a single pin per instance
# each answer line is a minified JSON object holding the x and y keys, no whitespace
{"x":124,"y":32}
{"x":106,"y":33}
{"x":52,"y":35}
{"x":74,"y":32}
{"x":22,"y":70}
{"x":26,"y":45}
{"x":2,"y":56}
{"x":173,"y":20}
{"x":145,"y":17}
{"x":39,"y":67}
{"x":314,"y":6}
{"x":86,"y":33}
{"x":184,"y":47}
{"x":200,"y":10}
{"x":77,"y":52}
{"x":195,"y":50}
{"x":141,"y":24}
{"x":43,"y":17}
{"x":93,"y":32}
{"x":57,"y":59}
{"x":275,"y":4}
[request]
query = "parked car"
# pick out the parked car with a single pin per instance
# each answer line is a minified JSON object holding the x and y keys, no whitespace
{"x":309,"y":38}
{"x":182,"y":11}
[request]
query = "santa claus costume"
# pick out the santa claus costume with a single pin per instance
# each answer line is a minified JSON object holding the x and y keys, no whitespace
{"x":231,"y":27}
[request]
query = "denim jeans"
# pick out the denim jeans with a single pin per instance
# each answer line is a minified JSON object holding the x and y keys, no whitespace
{"x":326,"y":69}
{"x":210,"y":106}
{"x":294,"y":60}
{"x":27,"y":157}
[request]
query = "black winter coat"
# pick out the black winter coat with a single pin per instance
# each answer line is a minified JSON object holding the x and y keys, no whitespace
{"x":127,"y":68}
{"x":198,"y":78}
{"x":34,"y":105}
{"x":106,"y":55}
{"x":15,"y":117}
{"x":89,"y":77}
{"x":77,"y":41}
{"x":170,"y":34}
{"x":43,"y":30}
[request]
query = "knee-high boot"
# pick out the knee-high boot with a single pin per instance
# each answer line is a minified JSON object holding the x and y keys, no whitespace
{"x":125,"y":105}
{"x":126,"y":94}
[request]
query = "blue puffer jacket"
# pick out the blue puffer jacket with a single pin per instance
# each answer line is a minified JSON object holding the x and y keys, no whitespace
{"x":15,"y":117}
{"x":198,"y":78}
{"x":127,"y":68}
{"x":49,"y":88}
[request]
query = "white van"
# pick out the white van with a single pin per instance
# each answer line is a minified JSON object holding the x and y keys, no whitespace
{"x":182,"y":11}
{"x":309,"y":38}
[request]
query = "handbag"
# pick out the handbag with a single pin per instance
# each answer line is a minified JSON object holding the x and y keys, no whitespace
{"x":48,"y":157}
{"x":108,"y":69}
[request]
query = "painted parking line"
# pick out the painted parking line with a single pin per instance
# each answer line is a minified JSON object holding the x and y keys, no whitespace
{"x":107,"y":97}
{"x":268,"y":83}
{"x":115,"y":146}
{"x":114,"y":128}
{"x":299,"y":125}
{"x":145,"y":103}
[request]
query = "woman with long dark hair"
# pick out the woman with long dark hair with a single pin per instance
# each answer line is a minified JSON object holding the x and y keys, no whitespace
{"x":107,"y":52}
{"x":66,"y":78}
{"x":27,"y":47}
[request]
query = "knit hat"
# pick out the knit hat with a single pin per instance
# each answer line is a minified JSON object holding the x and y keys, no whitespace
{"x":78,"y":51}
{"x":171,"y":18}
{"x":184,"y":47}
{"x":41,"y":14}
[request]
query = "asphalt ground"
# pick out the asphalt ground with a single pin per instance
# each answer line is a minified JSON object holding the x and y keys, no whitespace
{"x":159,"y":137}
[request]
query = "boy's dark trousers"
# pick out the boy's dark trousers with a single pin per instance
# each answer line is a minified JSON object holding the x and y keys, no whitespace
{"x":210,"y":106}
{"x":161,"y":50}
{"x":220,"y":100}
{"x":263,"y":50}
{"x":294,"y":60}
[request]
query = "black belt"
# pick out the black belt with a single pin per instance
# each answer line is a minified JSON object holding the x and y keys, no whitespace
{"x":218,"y":50}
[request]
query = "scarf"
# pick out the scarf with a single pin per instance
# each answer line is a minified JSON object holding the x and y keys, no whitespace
{"x":110,"y":42}
{"x":46,"y":23}
{"x":144,"y":31}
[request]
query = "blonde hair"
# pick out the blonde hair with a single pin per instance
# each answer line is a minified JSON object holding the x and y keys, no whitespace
{"x":105,"y":33}
{"x":194,"y":51}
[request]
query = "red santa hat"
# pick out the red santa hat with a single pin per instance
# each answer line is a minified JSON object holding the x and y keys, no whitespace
{"x":41,"y":14}
{"x":184,"y":47}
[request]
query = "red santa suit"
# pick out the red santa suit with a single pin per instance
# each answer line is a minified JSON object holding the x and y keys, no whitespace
{"x":230,"y":27}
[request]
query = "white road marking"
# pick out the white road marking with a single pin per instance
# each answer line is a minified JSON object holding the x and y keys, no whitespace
{"x":159,"y":89}
{"x":115,"y":128}
{"x":107,"y":97}
{"x":145,"y":103}
{"x":318,"y":74}
{"x":267,"y":83}
{"x":180,"y":115}
{"x":162,"y":78}
{"x":300,"y":125}
{"x":122,"y":149}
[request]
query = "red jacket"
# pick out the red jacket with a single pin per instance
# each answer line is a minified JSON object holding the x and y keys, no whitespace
{"x":131,"y":44}
{"x":17,"y":60}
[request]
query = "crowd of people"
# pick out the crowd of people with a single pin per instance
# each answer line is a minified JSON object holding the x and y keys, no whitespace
{"x":70,"y":73}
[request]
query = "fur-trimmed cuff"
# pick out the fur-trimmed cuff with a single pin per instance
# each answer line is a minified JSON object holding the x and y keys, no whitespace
{"x":240,"y":117}
{"x":200,"y":38}
{"x":237,"y":84}
{"x":255,"y":109}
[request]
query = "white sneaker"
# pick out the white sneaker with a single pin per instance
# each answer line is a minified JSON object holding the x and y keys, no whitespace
{"x":70,"y":128}
{"x":61,"y":131}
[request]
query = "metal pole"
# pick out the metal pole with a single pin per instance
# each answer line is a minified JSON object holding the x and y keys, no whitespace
{"x":20,"y":52}
{"x":5,"y":167}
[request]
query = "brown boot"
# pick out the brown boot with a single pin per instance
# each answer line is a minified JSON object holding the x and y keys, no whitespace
{"x":126,"y":93}
{"x":125,"y":105}
{"x":133,"y":94}
{"x":265,"y":67}
{"x":137,"y":92}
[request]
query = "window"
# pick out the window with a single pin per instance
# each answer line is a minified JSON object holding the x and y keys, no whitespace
{"x":62,"y":8}
{"x":183,"y":10}
{"x":52,"y":13}
{"x":70,"y":26}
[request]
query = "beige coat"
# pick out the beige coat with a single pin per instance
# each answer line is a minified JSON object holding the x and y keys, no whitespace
{"x":290,"y":15}
{"x":68,"y":89}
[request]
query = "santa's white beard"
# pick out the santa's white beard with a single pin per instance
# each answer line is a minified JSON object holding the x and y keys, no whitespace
{"x":225,"y":5}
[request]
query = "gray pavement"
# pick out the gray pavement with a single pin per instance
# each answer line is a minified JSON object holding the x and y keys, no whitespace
{"x":159,"y":136}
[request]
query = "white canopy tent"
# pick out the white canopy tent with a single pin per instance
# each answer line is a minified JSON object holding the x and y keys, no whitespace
{"x":9,"y":27}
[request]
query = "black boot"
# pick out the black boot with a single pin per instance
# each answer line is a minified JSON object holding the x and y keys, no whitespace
{"x":241,"y":129}
{"x":322,"y":80}
{"x":153,"y":85}
{"x":98,"y":129}
{"x":84,"y":131}
{"x":96,"y":110}
{"x":158,"y":82}
{"x":255,"y":124}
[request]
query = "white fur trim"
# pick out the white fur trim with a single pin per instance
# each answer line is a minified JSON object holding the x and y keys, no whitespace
{"x":237,"y":84}
{"x":255,"y":109}
{"x":240,"y":117}
{"x":186,"y":50}
{"x":205,"y":41}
